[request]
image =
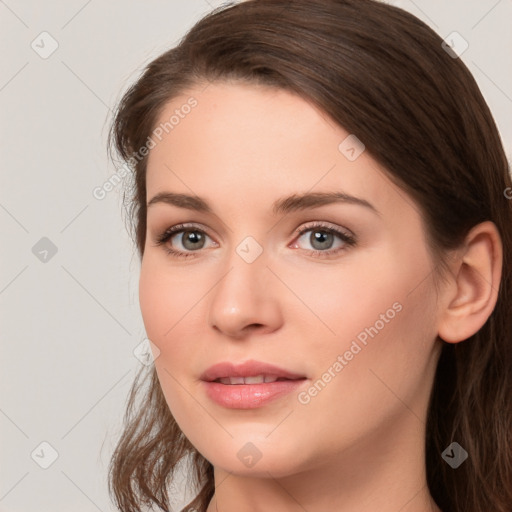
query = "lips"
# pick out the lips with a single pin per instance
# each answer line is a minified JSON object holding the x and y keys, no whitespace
{"x":249,"y":372}
{"x":249,"y":385}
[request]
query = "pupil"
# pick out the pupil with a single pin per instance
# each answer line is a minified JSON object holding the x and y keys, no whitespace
{"x":191,"y":239}
{"x":321,"y":239}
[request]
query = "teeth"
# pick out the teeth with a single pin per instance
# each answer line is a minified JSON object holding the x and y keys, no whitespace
{"x":257,"y":379}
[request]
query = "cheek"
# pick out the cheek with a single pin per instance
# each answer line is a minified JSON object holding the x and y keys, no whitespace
{"x":162,"y":299}
{"x":385,"y":360}
{"x":154,"y":302}
{"x":170,"y":303}
{"x":381,"y":311}
{"x":338,"y":302}
{"x":167,"y":306}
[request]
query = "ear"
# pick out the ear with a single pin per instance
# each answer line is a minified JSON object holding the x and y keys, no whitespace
{"x":471,"y":296}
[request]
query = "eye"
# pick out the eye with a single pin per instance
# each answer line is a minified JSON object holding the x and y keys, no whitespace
{"x":324,"y":239}
{"x":183,"y":240}
{"x":189,"y":237}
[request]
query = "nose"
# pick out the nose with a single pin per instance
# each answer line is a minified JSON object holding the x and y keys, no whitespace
{"x":245,"y":299}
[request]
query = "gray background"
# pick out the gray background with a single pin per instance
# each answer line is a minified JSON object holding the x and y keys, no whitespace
{"x":70,"y":320}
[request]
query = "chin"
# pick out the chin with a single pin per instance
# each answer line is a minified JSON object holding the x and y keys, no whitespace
{"x":256,"y":456}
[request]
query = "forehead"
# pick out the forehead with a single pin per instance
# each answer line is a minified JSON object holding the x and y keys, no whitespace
{"x":241,"y":139}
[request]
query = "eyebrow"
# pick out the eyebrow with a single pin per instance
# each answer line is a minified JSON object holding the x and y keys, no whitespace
{"x":295,"y":202}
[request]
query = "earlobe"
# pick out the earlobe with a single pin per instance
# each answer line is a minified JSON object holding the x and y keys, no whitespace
{"x":473,"y":294}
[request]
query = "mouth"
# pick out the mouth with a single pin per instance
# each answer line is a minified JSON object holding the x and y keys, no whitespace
{"x":256,"y":379}
{"x":249,"y":385}
{"x":248,"y":372}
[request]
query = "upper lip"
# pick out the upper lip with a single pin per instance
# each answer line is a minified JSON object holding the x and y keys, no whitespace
{"x":246,"y":369}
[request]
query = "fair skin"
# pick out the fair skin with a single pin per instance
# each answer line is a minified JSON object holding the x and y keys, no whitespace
{"x":358,"y":445}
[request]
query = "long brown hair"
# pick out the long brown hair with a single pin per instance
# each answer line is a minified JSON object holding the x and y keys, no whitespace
{"x":383,"y":75}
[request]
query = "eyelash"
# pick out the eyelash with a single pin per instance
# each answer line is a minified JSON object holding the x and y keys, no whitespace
{"x":348,"y":240}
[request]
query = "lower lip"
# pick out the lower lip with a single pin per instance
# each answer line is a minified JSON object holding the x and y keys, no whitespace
{"x":249,"y":396}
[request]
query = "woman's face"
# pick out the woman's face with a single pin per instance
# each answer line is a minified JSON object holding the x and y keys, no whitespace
{"x":353,"y":314}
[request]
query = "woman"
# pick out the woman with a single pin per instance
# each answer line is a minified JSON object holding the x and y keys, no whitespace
{"x":320,"y":206}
